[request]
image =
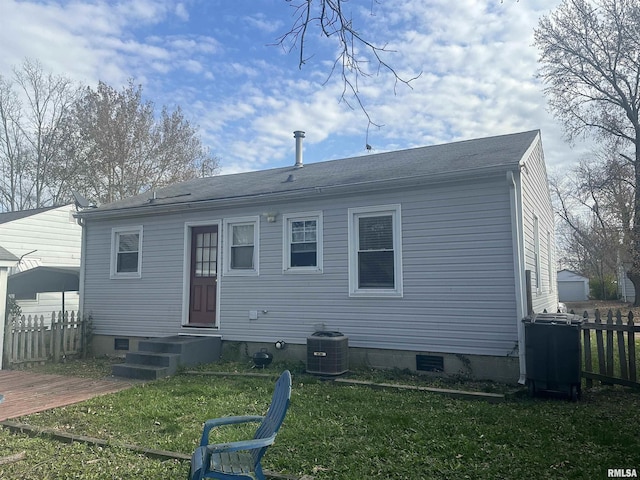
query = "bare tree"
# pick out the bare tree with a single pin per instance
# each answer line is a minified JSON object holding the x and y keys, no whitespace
{"x":106,"y":144}
{"x":123,"y":150}
{"x":33,"y":105}
{"x":357,"y":56}
{"x":589,"y":62}
{"x":595,"y":205}
{"x":12,"y":157}
{"x":48,"y":98}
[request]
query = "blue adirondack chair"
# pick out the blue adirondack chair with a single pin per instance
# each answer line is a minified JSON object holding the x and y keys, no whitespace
{"x":241,"y":459}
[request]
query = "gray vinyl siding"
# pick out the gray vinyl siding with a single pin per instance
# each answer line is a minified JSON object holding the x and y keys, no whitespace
{"x":459,"y":294}
{"x":537,"y":202}
{"x":148,"y":306}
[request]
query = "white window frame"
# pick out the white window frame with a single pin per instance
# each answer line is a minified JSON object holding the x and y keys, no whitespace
{"x":227,"y":227}
{"x":536,"y":254}
{"x":550,"y":255}
{"x":354,"y":214}
{"x":115,"y":236}
{"x":287,"y":221}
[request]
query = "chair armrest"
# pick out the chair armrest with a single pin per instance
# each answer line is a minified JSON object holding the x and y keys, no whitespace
{"x":241,"y":445}
{"x":217,"y":422}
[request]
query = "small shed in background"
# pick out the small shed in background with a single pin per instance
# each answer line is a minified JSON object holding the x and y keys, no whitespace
{"x":572,"y":287}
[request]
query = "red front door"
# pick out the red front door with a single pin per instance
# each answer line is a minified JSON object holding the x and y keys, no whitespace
{"x":204,"y":276}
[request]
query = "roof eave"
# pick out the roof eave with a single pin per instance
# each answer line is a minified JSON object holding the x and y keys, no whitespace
{"x":320,"y":190}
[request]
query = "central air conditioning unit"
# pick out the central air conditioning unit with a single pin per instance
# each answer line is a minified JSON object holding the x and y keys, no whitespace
{"x":327,"y":353}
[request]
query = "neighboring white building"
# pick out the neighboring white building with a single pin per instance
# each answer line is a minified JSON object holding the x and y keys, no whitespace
{"x":48,"y":237}
{"x":7,"y":261}
{"x":572,"y":287}
{"x":411,"y":254}
{"x":626,"y":290}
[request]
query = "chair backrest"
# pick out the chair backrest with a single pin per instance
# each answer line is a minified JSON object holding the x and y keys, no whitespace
{"x":276,"y":413}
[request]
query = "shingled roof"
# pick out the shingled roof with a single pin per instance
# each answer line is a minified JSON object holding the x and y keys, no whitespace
{"x":11,"y":216}
{"x":6,"y":255}
{"x":465,"y":157}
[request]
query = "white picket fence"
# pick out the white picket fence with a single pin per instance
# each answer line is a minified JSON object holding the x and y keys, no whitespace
{"x":31,"y":340}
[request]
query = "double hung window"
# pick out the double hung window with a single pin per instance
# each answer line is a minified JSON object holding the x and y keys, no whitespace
{"x":241,"y":246}
{"x":302,"y":250}
{"x":126,"y":252}
{"x":375,"y":251}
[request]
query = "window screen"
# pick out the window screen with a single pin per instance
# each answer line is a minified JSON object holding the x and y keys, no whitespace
{"x":242,"y":244}
{"x":375,"y":252}
{"x":128,"y":245}
{"x":304,"y":244}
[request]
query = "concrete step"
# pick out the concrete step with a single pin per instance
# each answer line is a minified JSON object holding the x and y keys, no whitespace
{"x":169,"y":360}
{"x":192,"y":350}
{"x":161,"y":357}
{"x":140,"y":372}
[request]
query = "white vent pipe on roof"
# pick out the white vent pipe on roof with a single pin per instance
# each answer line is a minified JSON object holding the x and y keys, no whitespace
{"x":298,"y":135}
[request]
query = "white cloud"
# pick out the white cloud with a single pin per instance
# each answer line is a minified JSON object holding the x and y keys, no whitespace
{"x":477,"y":63}
{"x":261,"y":22}
{"x":181,"y":12}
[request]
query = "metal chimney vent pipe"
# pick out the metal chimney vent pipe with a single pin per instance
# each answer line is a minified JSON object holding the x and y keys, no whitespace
{"x":298,"y":135}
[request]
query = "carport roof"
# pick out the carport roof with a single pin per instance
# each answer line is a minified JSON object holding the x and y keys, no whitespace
{"x":44,"y":279}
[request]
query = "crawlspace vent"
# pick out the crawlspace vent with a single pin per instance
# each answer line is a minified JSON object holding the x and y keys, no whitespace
{"x":429,"y":363}
{"x":121,"y":344}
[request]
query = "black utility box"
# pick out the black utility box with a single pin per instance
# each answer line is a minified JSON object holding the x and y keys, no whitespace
{"x":327,"y":353}
{"x":552,"y":349}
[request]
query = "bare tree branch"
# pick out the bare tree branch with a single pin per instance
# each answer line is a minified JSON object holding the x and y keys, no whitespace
{"x":352,"y":61}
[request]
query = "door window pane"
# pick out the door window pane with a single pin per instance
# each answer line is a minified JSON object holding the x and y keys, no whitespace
{"x":206,"y":254}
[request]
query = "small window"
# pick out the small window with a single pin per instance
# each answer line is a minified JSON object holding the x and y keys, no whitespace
{"x":375,"y":251}
{"x":302,"y":236}
{"x":126,"y":252}
{"x":241,"y":252}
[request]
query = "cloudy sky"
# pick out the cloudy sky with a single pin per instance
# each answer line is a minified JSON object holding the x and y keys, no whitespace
{"x":220,"y":62}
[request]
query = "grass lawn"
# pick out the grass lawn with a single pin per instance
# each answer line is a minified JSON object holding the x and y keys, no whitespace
{"x":335,"y":431}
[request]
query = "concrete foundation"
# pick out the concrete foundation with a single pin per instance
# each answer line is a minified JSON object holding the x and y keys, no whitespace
{"x":474,"y":367}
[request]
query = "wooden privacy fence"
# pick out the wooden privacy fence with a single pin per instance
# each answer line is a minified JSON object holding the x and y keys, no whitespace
{"x":29,"y":340}
{"x":614,"y":350}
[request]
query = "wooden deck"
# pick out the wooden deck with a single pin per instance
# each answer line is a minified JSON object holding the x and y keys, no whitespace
{"x":27,"y":392}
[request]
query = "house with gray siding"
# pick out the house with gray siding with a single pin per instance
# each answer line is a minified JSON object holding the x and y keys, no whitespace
{"x":411,"y":254}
